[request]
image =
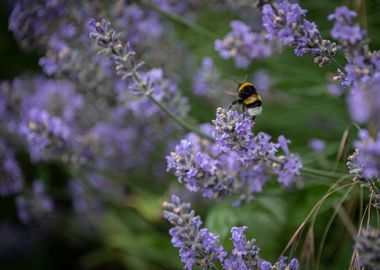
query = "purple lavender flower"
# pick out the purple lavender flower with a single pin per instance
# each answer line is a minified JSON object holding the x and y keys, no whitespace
{"x":362,"y":69}
{"x":364,"y":163}
{"x":46,"y":135}
{"x":197,"y":246}
{"x":335,"y":90}
{"x":262,"y":81}
{"x":35,"y":203}
{"x":206,"y":78}
{"x":142,"y":25}
{"x":369,"y":154}
{"x":368,"y":248}
{"x":245,"y":252}
{"x":151,"y":84}
{"x":243,"y":45}
{"x":344,"y":30}
{"x":317,"y":145}
{"x":239,"y":162}
{"x":233,"y":130}
{"x":11,"y":181}
{"x":291,"y":164}
{"x":200,"y":171}
{"x":200,"y":247}
{"x":286,"y":22}
{"x":57,"y":97}
{"x":30,"y":20}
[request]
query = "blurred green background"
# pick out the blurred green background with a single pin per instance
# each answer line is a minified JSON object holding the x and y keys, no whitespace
{"x":135,"y":236}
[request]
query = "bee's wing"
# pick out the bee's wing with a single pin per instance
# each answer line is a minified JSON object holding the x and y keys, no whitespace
{"x":229,"y":87}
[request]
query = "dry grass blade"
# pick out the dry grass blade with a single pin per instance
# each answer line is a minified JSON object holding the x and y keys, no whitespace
{"x":354,"y":258}
{"x":354,"y":265}
{"x":360,"y":7}
{"x":316,"y":207}
{"x":346,"y":221}
{"x":343,"y":147}
{"x":308,"y":248}
{"x":337,"y":208}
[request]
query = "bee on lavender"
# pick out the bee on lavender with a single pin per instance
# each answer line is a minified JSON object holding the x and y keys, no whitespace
{"x":248,"y":98}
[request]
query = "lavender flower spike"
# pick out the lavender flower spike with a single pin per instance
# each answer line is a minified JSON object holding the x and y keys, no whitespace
{"x":197,"y":245}
{"x":11,"y":180}
{"x":286,"y":22}
{"x":368,"y":247}
{"x":200,"y":247}
{"x":122,"y":55}
{"x":243,"y":45}
{"x":364,"y":163}
{"x":232,"y":130}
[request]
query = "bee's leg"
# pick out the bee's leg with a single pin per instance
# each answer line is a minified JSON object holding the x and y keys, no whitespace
{"x":234,"y":103}
{"x":243,"y":109}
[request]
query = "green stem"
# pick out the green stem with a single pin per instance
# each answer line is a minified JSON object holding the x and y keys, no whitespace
{"x":181,"y":122}
{"x":322,"y":172}
{"x":314,"y":171}
{"x":195,"y":27}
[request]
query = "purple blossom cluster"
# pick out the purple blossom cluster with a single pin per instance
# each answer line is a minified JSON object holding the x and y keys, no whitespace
{"x":364,"y":164}
{"x":243,"y":45}
{"x":317,"y":145}
{"x":47,"y":136}
{"x":11,"y":180}
{"x":198,"y":246}
{"x":206,"y":79}
{"x":30,"y":20}
{"x":239,"y":162}
{"x":262,"y":81}
{"x":368,"y":247}
{"x":351,"y":36}
{"x":34,"y":204}
{"x":107,"y":116}
{"x":361,"y":72}
{"x":82,"y":112}
{"x":151,"y":83}
{"x":81,"y":107}
{"x":286,"y":22}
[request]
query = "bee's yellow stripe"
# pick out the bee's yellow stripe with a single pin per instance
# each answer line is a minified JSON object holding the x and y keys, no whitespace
{"x":251,"y":99}
{"x":245,"y":85}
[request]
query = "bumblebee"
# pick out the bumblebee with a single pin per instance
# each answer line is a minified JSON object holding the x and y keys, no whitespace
{"x":249,"y":99}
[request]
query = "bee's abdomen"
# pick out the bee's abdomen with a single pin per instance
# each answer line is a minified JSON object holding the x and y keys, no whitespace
{"x":254,"y":104}
{"x":253,"y":101}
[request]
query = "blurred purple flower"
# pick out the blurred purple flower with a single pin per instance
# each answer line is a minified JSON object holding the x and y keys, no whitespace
{"x":206,"y":78}
{"x":335,"y":90}
{"x":243,"y":45}
{"x":368,"y":247}
{"x":30,"y":20}
{"x":344,"y":30}
{"x":317,"y":145}
{"x":11,"y":180}
{"x":262,"y":82}
{"x":34,"y":204}
{"x":46,"y":135}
